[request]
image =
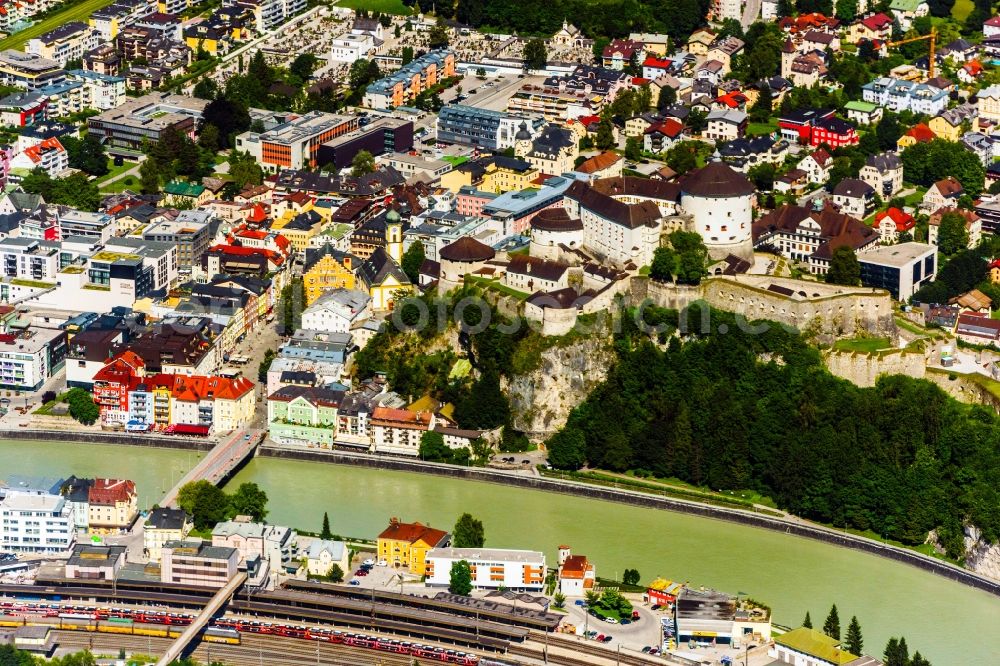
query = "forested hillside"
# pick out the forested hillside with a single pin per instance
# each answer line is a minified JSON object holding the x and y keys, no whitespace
{"x":735,"y":411}
{"x":608,"y":18}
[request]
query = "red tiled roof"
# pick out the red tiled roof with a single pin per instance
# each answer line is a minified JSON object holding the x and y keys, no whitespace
{"x":921,"y":132}
{"x":877,"y":22}
{"x":111,"y":491}
{"x":653,"y":61}
{"x":904,"y":221}
{"x":412,"y":532}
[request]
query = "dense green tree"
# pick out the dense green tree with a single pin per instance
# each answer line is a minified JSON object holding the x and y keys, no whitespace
{"x":535,"y":55}
{"x":667,"y":98}
{"x":633,"y":148}
{"x":888,"y":131}
{"x":919,"y":660}
{"x":664,"y":264}
{"x":832,"y":625}
{"x":896,"y":653}
{"x":567,"y":450}
{"x":460,"y":579}
{"x":244,"y":170}
{"x":697,"y":121}
{"x":407,"y":55}
{"x":77,"y":190}
{"x":854,"y":642}
{"x":82,"y":406}
{"x":229,"y":117}
{"x":485,"y":407}
{"x":206,"y":88}
{"x":941,"y":8}
{"x":807,"y":622}
{"x":208,"y":138}
{"x":692,"y":256}
{"x":605,"y":139}
{"x":303,"y":66}
{"x":249,"y":500}
{"x":413,"y":258}
{"x":631,"y":577}
{"x":325,"y":533}
{"x":438,"y":36}
{"x":433,"y":448}
{"x":761,"y":110}
{"x":149,"y":177}
{"x":844,"y":267}
{"x":926,"y":163}
{"x":847,"y":10}
{"x":468,"y":532}
{"x":682,"y":157}
{"x":205,"y":502}
{"x":362,"y":164}
{"x":953,"y":237}
{"x":86,"y":154}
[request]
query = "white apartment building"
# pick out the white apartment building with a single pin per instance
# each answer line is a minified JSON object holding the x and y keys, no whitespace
{"x":40,"y":524}
{"x":492,"y":568}
{"x":337,"y":311}
{"x":901,"y":95}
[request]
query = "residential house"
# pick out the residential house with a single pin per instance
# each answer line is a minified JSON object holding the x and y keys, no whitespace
{"x":660,"y":136}
{"x":113,"y":505}
{"x":973,"y":225}
{"x":603,"y":165}
{"x":988,"y":103}
{"x":884,"y":173}
{"x":943,"y":193}
{"x":700,"y":41}
{"x":322,"y":555}
{"x":262,"y":548}
{"x":726,"y":125}
{"x":919,"y":133}
{"x":817,"y":166}
{"x":855,"y":197}
{"x":949,"y":124}
{"x":905,"y":11}
{"x":304,"y":416}
{"x":530,"y":274}
{"x":873,"y":27}
{"x":405,"y":545}
{"x":337,"y":311}
{"x":991,"y":27}
{"x":724,"y":50}
{"x":892,"y":222}
{"x":978,"y":329}
{"x":833,"y":132}
{"x":863,"y":113}
{"x":746,"y":153}
{"x":902,"y":95}
{"x":621,"y":52}
{"x":164,"y":525}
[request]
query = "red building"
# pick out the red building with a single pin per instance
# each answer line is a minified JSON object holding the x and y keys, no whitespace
{"x":798,"y":125}
{"x":833,"y":132}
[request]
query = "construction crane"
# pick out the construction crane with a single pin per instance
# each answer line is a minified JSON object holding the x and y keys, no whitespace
{"x":930,"y":60}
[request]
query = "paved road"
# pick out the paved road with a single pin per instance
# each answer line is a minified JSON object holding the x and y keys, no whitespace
{"x":750,"y":13}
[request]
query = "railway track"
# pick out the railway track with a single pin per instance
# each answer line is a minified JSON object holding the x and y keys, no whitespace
{"x":587,"y":647}
{"x":253,"y":651}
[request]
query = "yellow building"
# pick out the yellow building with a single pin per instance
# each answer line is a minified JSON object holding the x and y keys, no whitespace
{"x":380,"y":275}
{"x":943,"y":127}
{"x":299,"y":229}
{"x":405,"y":545}
{"x":464,"y":175}
{"x":327,"y":268}
{"x":507,"y":174}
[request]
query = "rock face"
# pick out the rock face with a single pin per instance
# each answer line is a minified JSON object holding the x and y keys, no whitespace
{"x":542,"y":399}
{"x":981,"y":557}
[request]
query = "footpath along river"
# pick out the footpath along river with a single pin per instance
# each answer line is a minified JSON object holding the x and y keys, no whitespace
{"x":950,"y":623}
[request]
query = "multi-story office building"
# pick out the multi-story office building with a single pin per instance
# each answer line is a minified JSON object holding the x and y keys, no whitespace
{"x":197,"y":563}
{"x":486,"y":128}
{"x":40,"y":524}
{"x":145,"y":118}
{"x":191,"y":232}
{"x":386,"y":135}
{"x":294,"y":143}
{"x":492,"y":568}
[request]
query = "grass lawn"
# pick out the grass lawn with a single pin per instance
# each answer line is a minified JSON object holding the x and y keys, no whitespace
{"x":758,"y":129}
{"x":115,"y":170}
{"x":496,"y":285}
{"x":961,"y":10}
{"x":120,"y":185}
{"x":77,"y":12}
{"x":915,"y":198}
{"x":384,"y":6}
{"x":866,"y":345}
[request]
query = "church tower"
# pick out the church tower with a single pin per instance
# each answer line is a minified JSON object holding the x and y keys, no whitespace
{"x":394,"y":236}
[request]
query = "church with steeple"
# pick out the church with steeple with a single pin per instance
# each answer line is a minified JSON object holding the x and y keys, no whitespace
{"x":381,"y":275}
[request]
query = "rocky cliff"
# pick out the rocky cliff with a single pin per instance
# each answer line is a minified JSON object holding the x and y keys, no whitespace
{"x":981,"y":557}
{"x":564,"y":374}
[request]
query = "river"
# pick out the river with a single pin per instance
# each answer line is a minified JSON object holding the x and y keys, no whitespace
{"x":948,"y":622}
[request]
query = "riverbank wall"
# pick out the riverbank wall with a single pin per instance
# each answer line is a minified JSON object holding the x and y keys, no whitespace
{"x":793,"y":527}
{"x":122,"y":439}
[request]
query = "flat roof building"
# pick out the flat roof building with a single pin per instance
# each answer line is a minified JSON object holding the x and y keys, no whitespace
{"x":295,"y":143}
{"x":492,"y":568}
{"x":26,"y":70}
{"x":899,"y":269}
{"x":196,"y":562}
{"x":145,"y":118}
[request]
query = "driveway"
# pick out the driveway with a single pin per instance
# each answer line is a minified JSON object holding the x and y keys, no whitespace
{"x":635,"y":636}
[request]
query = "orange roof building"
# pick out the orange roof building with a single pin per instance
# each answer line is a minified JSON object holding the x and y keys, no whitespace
{"x":405,"y":545}
{"x":112,"y":505}
{"x":576,"y":573}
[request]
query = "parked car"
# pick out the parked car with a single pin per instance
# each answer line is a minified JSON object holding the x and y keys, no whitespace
{"x":383,"y":563}
{"x":626,"y":621}
{"x":355,"y":582}
{"x":599,"y":637}
{"x":611,"y":620}
{"x":369,"y":562}
{"x":607,"y":639}
{"x":580,"y":602}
